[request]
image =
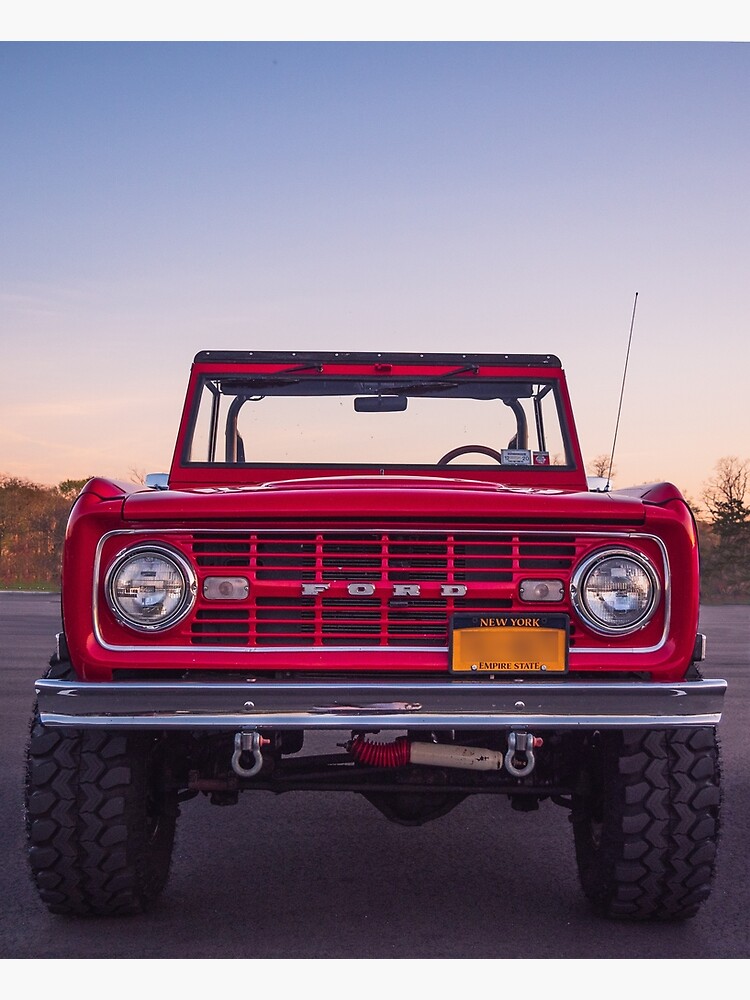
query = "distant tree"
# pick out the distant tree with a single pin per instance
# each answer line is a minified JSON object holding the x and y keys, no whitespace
{"x":726,"y":557}
{"x":599,"y":466}
{"x":70,"y":488}
{"x":725,"y":496}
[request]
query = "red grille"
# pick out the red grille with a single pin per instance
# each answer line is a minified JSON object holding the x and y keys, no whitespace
{"x":463,"y":571}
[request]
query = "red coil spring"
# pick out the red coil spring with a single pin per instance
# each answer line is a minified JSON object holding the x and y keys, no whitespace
{"x":375,"y":754}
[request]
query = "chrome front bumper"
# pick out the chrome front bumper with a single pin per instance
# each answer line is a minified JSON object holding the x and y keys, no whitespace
{"x":420,"y":705}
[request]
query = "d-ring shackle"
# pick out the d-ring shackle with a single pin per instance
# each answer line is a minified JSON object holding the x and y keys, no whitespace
{"x":250,"y":742}
{"x":520,"y":743}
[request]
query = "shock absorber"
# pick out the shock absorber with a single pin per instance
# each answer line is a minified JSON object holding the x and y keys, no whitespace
{"x":376,"y":754}
{"x":518,"y":761}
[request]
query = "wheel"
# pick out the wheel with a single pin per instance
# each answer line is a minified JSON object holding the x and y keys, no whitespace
{"x":646,"y":825}
{"x":466,"y":449}
{"x":100,"y":818}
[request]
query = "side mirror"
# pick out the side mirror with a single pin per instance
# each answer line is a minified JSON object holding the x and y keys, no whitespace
{"x":598,"y":484}
{"x":157,"y":480}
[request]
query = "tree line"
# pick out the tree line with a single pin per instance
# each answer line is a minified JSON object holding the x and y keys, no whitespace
{"x":32,"y":531}
{"x":33,"y":519}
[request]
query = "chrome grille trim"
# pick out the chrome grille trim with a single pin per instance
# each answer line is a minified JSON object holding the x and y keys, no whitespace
{"x":579,"y":541}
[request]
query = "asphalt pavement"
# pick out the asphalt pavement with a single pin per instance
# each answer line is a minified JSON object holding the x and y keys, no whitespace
{"x":324,"y":875}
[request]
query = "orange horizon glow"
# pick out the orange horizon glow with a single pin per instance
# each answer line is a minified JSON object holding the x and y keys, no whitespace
{"x":486,"y":197}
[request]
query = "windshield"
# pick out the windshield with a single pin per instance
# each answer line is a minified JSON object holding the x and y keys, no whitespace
{"x":300,"y":421}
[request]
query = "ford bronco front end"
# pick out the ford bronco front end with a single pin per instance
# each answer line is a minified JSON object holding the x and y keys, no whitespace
{"x":400,"y":553}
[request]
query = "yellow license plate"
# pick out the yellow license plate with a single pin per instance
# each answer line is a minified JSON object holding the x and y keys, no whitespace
{"x":509,"y":644}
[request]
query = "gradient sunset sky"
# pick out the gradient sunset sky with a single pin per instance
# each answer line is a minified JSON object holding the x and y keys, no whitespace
{"x":165,"y":198}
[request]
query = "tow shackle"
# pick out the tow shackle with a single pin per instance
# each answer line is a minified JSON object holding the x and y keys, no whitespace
{"x":521,"y":744}
{"x":250,"y":743}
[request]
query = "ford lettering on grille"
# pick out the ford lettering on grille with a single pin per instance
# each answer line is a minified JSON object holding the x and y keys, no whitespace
{"x":397,"y":589}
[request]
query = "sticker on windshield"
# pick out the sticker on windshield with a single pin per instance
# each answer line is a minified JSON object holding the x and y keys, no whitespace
{"x":541,"y":458}
{"x":516,"y":456}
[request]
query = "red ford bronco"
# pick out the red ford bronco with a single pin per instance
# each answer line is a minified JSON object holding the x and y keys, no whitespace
{"x":397,"y":555}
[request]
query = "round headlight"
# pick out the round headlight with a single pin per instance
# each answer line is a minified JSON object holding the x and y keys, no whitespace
{"x":150,"y":588}
{"x":615,"y":591}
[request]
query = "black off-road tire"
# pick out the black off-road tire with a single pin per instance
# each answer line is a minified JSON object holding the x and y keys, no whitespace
{"x":646,"y":825}
{"x":100,"y":818}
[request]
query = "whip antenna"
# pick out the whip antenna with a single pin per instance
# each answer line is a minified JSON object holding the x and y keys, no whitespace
{"x":622,"y":393}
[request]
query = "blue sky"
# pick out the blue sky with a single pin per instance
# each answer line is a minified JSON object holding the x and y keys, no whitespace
{"x":164,"y":198}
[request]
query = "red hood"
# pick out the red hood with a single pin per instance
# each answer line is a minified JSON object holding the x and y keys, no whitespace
{"x":372,"y":498}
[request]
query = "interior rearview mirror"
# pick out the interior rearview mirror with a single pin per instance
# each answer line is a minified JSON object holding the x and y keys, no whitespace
{"x":380,"y":404}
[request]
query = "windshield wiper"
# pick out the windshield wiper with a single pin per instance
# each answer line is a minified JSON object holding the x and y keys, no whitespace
{"x":299,"y":368}
{"x":268,"y":378}
{"x":432,"y":383}
{"x":418,"y":387}
{"x":457,"y":371}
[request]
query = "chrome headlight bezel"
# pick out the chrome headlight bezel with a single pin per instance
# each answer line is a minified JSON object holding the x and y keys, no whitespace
{"x":182,"y":567}
{"x":578,"y":591}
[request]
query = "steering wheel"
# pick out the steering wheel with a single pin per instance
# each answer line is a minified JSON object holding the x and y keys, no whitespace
{"x":481,"y":449}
